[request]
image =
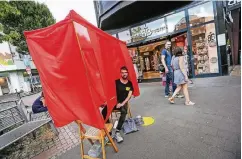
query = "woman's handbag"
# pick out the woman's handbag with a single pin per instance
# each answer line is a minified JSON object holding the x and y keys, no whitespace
{"x":161,"y":68}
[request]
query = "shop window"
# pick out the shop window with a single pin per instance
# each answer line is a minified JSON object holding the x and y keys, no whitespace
{"x":204,"y":48}
{"x":201,"y":14}
{"x":125,"y":36}
{"x":176,"y":22}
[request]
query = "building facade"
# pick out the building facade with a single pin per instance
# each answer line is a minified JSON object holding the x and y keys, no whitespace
{"x":13,"y":74}
{"x":233,"y":27}
{"x":198,"y":27}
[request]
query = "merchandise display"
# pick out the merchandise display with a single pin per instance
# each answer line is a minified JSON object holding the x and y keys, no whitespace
{"x":202,"y":64}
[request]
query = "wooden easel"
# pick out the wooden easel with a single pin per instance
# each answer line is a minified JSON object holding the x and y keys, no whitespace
{"x":95,"y":134}
{"x":117,"y":111}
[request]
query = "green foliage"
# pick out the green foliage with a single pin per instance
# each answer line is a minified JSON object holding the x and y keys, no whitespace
{"x":20,"y":16}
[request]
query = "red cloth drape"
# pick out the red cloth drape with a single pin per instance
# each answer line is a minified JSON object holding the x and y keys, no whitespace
{"x":78,"y":65}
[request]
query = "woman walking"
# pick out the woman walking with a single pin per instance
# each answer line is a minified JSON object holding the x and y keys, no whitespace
{"x":180,"y":76}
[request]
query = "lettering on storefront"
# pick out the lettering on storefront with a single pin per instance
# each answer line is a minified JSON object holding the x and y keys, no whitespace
{"x":233,"y":2}
{"x":211,"y":39}
{"x":147,"y":32}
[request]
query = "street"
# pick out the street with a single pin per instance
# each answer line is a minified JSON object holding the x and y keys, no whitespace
{"x":210,"y":129}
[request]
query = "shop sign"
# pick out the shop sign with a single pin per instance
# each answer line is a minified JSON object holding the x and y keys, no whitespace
{"x":26,"y":61}
{"x":213,"y":60}
{"x":148,"y":30}
{"x":232,"y":4}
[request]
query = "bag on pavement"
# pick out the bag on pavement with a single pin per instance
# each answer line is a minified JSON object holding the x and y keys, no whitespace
{"x":129,"y":126}
{"x":139,"y":120}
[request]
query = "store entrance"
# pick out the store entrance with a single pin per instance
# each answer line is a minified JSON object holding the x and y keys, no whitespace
{"x":149,"y":59}
{"x":181,"y":41}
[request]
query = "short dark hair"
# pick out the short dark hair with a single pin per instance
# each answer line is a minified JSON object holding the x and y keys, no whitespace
{"x":124,"y":68}
{"x":178,"y":51}
{"x":42,"y":94}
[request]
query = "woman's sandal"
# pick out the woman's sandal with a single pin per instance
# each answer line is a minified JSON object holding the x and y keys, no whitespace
{"x":171,"y":100}
{"x":189,"y":103}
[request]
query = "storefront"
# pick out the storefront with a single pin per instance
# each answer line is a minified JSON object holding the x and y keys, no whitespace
{"x":233,"y":26}
{"x":194,"y":28}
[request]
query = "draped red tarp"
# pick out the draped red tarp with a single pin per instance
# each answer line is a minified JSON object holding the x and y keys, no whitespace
{"x":78,"y":65}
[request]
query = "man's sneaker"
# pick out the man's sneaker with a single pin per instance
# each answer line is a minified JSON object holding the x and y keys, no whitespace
{"x":166,"y":96}
{"x":106,"y":140}
{"x":180,"y":96}
{"x":118,"y":137}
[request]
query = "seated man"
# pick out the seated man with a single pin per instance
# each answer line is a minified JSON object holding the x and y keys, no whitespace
{"x":124,"y":90}
{"x":39,"y":105}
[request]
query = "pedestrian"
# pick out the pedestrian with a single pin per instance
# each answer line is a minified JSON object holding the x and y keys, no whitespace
{"x":180,"y":76}
{"x":178,"y":95}
{"x":39,"y":105}
{"x":124,"y":90}
{"x":166,"y":61}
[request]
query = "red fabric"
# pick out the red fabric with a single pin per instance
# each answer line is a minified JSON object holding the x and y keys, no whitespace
{"x":78,"y":65}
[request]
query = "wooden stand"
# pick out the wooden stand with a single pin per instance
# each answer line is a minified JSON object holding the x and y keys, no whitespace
{"x":117,"y":111}
{"x":95,"y":134}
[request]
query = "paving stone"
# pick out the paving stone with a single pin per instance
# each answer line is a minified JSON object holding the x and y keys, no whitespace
{"x":214,"y":141}
{"x":230,"y":146}
{"x":178,"y":132}
{"x":209,"y":130}
{"x":228,"y":135}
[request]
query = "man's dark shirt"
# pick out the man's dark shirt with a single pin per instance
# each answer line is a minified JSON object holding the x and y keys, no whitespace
{"x":122,"y":90}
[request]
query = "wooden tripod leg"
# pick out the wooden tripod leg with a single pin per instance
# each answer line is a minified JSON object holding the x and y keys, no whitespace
{"x":111,"y":140}
{"x":129,"y":111}
{"x":82,"y":147}
{"x":103,"y":147}
{"x":83,"y":130}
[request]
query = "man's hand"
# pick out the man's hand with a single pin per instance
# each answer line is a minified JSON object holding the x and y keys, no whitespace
{"x":43,"y":101}
{"x":119,"y":105}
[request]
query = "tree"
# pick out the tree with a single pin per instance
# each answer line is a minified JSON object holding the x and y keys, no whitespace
{"x":5,"y":10}
{"x":21,"y":16}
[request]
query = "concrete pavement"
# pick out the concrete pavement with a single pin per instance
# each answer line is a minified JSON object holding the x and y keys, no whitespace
{"x":210,"y":129}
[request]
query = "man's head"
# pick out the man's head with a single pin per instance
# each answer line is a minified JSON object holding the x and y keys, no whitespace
{"x":124,"y":72}
{"x":168,"y":45}
{"x":42,"y":94}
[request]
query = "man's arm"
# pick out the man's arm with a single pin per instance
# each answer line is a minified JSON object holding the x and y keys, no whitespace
{"x":126,"y":100}
{"x":163,"y":56}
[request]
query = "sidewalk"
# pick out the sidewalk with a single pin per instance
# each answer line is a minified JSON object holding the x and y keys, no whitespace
{"x":210,"y":129}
